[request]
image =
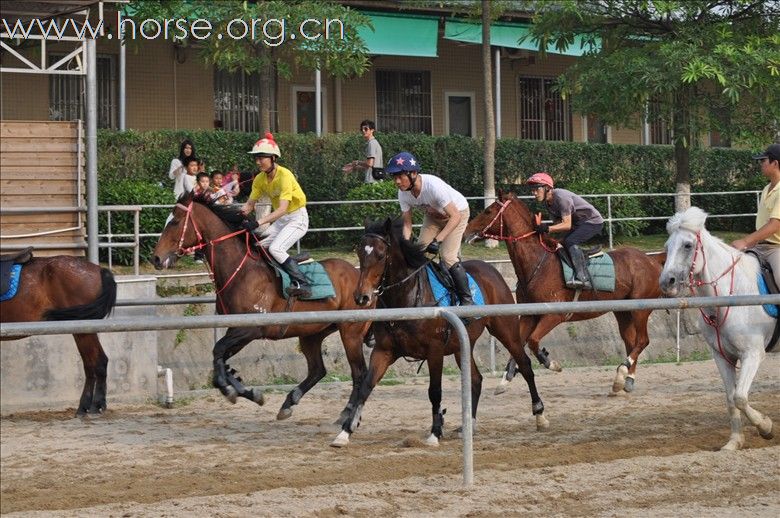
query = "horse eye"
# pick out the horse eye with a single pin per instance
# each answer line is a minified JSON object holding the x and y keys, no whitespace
{"x":688,"y":246}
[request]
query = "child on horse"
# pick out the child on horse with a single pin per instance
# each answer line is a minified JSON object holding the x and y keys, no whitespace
{"x":446,"y":215}
{"x":289,"y":218}
{"x":572,"y":214}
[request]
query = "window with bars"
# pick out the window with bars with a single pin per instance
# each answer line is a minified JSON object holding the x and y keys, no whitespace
{"x":403,"y":101}
{"x":237,"y":101}
{"x":544,"y":115}
{"x":67,"y":94}
{"x":659,"y":131}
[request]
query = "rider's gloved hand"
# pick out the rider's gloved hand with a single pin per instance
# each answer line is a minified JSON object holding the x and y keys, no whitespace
{"x":542,"y":228}
{"x":433,"y":247}
{"x":249,"y":224}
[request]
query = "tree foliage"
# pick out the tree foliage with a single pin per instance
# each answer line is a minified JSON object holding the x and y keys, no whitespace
{"x":708,"y":64}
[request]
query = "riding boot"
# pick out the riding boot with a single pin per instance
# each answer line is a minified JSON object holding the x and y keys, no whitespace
{"x":580,"y":264}
{"x":299,"y":284}
{"x":461,"y":282}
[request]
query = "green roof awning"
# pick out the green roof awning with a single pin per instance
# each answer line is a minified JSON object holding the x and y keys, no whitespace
{"x":506,"y":35}
{"x":401,"y":35}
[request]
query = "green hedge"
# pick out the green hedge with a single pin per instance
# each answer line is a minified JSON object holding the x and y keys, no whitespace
{"x":137,"y":164}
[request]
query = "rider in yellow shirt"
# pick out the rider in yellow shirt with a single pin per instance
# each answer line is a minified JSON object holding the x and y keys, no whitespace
{"x":288,"y":218}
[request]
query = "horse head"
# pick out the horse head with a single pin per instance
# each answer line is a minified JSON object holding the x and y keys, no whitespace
{"x":684,"y":256}
{"x":506,"y":214}
{"x":385,"y":257}
{"x":194,"y":222}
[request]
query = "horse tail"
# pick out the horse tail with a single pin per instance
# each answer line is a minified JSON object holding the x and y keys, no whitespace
{"x":101,"y":307}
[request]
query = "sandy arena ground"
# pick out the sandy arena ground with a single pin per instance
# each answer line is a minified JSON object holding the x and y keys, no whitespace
{"x":652,"y":453}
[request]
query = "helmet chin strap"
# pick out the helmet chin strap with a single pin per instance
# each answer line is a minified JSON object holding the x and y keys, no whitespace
{"x":411,"y":181}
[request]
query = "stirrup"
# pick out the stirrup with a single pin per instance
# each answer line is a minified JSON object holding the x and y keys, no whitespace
{"x":580,"y":284}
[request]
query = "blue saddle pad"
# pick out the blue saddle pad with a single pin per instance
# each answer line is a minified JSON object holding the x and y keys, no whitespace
{"x":770,"y":309}
{"x":442,"y":294}
{"x":321,"y":286}
{"x":602,"y":272}
{"x":13,"y":283}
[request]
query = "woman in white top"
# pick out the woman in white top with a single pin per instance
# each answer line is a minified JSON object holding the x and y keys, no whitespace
{"x":446,"y":215}
{"x":178,"y":170}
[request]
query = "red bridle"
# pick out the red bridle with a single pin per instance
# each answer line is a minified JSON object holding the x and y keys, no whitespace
{"x":511,"y":239}
{"x":202,"y":243}
{"x":713,"y":320}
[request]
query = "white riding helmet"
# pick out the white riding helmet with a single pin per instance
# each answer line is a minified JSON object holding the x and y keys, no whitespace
{"x":266,"y":147}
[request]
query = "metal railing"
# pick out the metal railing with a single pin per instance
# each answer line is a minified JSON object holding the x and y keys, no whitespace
{"x":111,"y":240}
{"x":453,"y":315}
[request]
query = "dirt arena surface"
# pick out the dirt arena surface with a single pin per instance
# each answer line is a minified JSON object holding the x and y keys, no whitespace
{"x":651,"y":453}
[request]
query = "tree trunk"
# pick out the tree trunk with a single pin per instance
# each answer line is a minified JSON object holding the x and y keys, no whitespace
{"x":489,"y":174}
{"x":266,"y":74}
{"x":682,"y":150}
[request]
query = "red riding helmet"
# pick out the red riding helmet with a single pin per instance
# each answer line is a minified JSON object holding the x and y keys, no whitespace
{"x":540,"y":179}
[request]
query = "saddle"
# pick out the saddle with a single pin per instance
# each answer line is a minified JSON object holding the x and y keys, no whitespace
{"x":7,"y":262}
{"x":601,"y":268}
{"x":443,"y":287}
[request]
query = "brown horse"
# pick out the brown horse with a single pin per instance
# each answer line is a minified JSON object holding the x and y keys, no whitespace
{"x":62,"y":287}
{"x":395,"y":269}
{"x":246,"y":283}
{"x":540,"y":279}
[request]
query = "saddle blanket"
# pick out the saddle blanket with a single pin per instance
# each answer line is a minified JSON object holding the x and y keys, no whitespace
{"x":321,"y":286}
{"x":12,"y":282}
{"x":442,"y":294}
{"x":770,"y":309}
{"x":602,"y":272}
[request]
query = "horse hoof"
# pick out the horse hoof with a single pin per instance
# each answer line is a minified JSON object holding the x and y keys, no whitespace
{"x":542,"y":423}
{"x":767,"y":435}
{"x":432,"y":440}
{"x":555,"y":366}
{"x":734,"y":444}
{"x":283,"y":414}
{"x":258,"y":397}
{"x":629,"y":387}
{"x":501,"y":388}
{"x":231,"y":394}
{"x":169,"y":404}
{"x":341,"y":440}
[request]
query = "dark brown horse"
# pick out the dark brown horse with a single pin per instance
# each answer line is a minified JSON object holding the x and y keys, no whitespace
{"x":540,"y":279}
{"x":395,"y":269}
{"x":246,"y":283}
{"x":62,"y":287}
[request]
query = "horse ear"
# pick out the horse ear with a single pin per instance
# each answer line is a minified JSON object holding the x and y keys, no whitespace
{"x":366,"y":222}
{"x":500,"y":193}
{"x":389,"y":226}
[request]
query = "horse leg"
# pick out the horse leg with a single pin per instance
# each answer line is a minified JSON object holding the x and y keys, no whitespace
{"x":747,"y":371}
{"x":545,"y":324}
{"x":476,"y":390}
{"x":526,"y":325}
{"x":357,"y":363}
{"x":435,"y":367}
{"x":633,"y":331}
{"x":225,"y":379}
{"x":521,"y":364}
{"x":380,"y":360}
{"x":728,"y":375}
{"x":311,"y":347}
{"x":93,"y":396}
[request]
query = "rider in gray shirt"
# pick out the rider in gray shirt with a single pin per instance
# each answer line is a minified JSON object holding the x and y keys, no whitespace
{"x":572,"y":214}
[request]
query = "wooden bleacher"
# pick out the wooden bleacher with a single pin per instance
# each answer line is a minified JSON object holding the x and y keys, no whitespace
{"x":42,"y":165}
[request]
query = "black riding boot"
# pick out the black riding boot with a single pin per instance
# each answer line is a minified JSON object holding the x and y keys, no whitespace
{"x":299,"y":284}
{"x":461,"y":282}
{"x":580,"y":264}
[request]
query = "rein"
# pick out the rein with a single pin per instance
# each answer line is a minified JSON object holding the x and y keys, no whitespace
{"x":511,"y":239}
{"x":382,"y":287}
{"x":713,"y":321}
{"x":203,"y":243}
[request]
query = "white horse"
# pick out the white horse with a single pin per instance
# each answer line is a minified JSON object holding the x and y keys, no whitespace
{"x":709,"y":267}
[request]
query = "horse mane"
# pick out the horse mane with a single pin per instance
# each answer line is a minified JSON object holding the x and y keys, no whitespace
{"x":413,"y":252}
{"x":230,"y":214}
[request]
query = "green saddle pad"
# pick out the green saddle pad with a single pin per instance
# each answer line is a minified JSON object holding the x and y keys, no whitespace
{"x":321,"y":286}
{"x":602,"y":272}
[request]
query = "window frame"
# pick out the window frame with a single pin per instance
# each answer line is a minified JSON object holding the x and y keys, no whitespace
{"x":473,"y":110}
{"x":567,"y":121}
{"x":382,"y":118}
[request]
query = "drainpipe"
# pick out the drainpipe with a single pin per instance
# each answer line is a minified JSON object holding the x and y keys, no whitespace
{"x":168,"y":374}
